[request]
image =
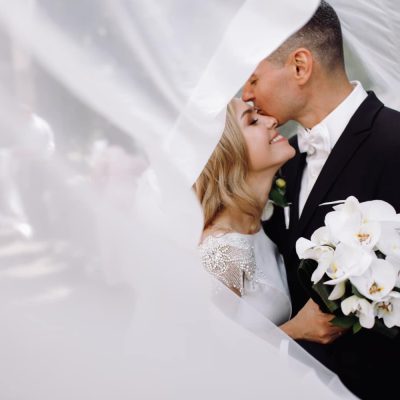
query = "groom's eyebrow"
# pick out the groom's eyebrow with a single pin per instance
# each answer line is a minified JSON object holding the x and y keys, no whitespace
{"x":248,"y":111}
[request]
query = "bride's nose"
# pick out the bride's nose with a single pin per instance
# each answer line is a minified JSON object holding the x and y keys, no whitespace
{"x":271,"y":122}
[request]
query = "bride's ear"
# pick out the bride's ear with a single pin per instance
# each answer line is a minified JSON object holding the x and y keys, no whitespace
{"x":302,"y":64}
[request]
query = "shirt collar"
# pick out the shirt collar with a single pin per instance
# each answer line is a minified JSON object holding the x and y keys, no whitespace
{"x":339,"y":118}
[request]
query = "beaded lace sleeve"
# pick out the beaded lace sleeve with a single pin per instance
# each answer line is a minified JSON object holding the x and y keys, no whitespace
{"x":230,"y":258}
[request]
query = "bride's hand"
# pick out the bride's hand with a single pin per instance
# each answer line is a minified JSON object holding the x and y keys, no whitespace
{"x":313,"y":325}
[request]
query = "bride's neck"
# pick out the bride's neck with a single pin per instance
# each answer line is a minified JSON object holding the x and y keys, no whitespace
{"x":260,"y":184}
{"x":233,"y":219}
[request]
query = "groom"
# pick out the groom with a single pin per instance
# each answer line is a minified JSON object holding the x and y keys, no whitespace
{"x":349,"y":144}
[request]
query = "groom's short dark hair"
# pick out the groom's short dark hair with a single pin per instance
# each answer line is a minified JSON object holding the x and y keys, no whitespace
{"x":322,"y":35}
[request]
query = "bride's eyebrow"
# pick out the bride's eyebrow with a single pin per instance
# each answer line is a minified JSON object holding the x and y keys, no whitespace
{"x":247,"y":111}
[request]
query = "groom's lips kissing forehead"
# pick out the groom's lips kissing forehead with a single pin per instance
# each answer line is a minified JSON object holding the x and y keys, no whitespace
{"x":261,"y":112}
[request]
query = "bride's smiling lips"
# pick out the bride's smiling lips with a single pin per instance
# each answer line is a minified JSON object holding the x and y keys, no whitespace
{"x":277,"y":138}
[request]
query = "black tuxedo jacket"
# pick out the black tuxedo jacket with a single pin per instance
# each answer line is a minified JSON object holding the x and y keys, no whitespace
{"x":364,"y":163}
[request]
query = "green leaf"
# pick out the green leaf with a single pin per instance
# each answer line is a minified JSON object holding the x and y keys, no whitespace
{"x":357,"y":327}
{"x":324,"y":292}
{"x":318,"y":292}
{"x":278,"y":198}
{"x":345,"y":322}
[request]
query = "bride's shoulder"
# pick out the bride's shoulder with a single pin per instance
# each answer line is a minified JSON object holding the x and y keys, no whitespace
{"x":213,"y":232}
{"x":229,"y":256}
{"x":217,"y":236}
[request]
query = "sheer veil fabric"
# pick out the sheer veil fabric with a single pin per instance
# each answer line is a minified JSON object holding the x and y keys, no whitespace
{"x":108,"y":112}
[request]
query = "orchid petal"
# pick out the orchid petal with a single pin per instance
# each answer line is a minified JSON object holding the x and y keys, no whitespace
{"x":336,"y":281}
{"x":361,"y":308}
{"x":320,"y":271}
{"x":389,"y":310}
{"x":322,"y":237}
{"x":350,"y":205}
{"x":348,"y":305}
{"x":367,"y":318}
{"x":338,"y":291}
{"x":302,"y":245}
{"x":339,"y":222}
{"x":389,"y":242}
{"x":348,"y":261}
{"x":395,"y":262}
{"x":377,"y":210}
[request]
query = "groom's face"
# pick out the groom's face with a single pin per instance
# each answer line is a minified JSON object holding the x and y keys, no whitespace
{"x":271,"y":91}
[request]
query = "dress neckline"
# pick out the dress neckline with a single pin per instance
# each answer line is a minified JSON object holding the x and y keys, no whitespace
{"x":220,"y":235}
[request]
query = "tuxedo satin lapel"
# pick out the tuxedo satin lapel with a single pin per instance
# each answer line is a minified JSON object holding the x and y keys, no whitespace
{"x":294,"y":172}
{"x":297,"y":175}
{"x":352,"y":138}
{"x":294,"y":207}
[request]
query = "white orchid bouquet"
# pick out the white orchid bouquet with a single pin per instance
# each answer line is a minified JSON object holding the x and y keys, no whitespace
{"x":352,"y":265}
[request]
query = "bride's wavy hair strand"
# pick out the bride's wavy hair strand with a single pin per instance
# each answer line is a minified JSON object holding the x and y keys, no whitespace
{"x":222,"y":183}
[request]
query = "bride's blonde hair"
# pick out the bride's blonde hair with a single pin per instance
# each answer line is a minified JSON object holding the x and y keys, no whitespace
{"x":222,"y":183}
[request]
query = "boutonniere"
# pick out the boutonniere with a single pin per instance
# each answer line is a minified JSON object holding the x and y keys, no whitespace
{"x":276,"y":198}
{"x":278,"y":192}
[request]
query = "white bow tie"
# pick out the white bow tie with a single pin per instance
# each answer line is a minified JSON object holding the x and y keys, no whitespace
{"x":314,"y":141}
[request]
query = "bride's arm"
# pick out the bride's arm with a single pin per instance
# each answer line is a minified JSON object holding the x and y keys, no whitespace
{"x":312,"y":324}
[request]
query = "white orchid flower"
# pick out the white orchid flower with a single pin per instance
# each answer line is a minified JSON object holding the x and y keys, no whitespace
{"x":377,"y":282}
{"x":346,"y":217}
{"x":366,"y":235}
{"x":361,"y":308}
{"x":389,"y":310}
{"x":320,"y":249}
{"x":347,"y":224}
{"x":348,"y":262}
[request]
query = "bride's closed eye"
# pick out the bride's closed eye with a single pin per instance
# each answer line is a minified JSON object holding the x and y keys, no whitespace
{"x":254,"y":121}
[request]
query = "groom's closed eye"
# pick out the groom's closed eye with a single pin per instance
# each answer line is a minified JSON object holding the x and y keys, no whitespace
{"x":252,"y":80}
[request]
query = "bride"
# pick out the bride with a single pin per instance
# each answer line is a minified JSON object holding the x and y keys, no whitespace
{"x":233,"y":190}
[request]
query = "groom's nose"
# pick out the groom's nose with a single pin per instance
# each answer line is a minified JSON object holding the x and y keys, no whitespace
{"x":247,"y":93}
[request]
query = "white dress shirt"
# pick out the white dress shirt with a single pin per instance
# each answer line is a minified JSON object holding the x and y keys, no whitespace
{"x":319,"y":141}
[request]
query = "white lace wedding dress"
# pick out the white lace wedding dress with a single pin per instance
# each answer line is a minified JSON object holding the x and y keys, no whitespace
{"x":252,"y":266}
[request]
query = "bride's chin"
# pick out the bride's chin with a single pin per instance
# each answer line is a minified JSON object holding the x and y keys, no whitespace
{"x":286,"y":156}
{"x":290,"y":152}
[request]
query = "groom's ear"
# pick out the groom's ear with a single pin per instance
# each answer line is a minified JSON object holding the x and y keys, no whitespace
{"x":302,"y":64}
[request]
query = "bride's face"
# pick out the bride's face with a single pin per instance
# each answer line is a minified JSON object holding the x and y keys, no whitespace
{"x":267,"y":149}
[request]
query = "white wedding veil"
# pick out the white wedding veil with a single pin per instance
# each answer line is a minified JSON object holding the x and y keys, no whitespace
{"x":109,"y":110}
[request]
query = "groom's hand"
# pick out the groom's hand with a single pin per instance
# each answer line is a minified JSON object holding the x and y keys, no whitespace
{"x":313,"y":325}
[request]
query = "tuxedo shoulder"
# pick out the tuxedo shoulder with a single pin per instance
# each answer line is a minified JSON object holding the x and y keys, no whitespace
{"x":386,"y":128}
{"x":389,"y":115}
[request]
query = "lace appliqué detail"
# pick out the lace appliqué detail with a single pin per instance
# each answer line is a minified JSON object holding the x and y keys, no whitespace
{"x":230,"y":258}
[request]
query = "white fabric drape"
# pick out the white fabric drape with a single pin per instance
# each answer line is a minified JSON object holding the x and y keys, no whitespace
{"x":108,"y":112}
